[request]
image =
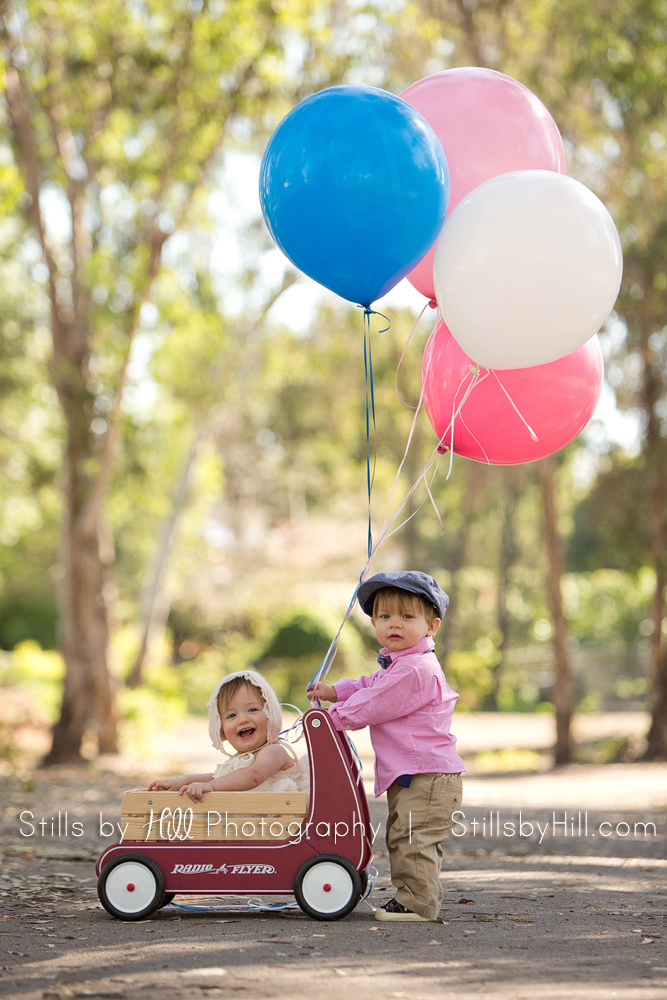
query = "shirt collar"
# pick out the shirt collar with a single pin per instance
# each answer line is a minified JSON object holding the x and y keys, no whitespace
{"x":386,"y":658}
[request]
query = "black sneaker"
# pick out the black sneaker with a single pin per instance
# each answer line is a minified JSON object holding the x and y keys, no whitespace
{"x":394,"y":911}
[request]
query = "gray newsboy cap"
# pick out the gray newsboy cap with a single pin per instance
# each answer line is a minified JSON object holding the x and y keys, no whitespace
{"x":410,"y":580}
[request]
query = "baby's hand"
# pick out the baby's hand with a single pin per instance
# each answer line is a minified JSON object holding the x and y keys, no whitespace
{"x":161,"y":785}
{"x":322,"y":691}
{"x":196,"y":790}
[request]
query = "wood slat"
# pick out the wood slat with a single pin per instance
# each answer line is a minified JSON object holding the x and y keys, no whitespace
{"x":139,"y":802}
{"x":137,"y":828}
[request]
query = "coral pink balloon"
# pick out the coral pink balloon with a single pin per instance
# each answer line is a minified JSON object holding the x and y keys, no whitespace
{"x":488,"y":124}
{"x":557,"y":400}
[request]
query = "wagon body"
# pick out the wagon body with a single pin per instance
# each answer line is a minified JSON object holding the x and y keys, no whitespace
{"x":335,"y":826}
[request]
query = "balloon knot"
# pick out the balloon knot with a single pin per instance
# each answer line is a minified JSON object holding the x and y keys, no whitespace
{"x":433,"y":304}
{"x":443,"y":449}
{"x":475,"y":369}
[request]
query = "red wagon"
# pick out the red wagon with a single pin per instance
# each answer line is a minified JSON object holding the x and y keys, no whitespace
{"x":317,"y":849}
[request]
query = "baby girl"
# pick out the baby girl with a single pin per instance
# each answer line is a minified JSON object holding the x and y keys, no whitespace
{"x":244,"y":711}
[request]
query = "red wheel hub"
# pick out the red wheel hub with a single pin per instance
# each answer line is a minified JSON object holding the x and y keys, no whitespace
{"x":326,"y":887}
{"x":130,"y":886}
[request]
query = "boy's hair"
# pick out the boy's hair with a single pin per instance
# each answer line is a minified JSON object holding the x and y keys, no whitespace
{"x":389,"y":596}
{"x":227,"y":692}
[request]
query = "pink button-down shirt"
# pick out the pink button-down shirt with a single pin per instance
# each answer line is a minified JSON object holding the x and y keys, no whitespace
{"x":408,"y":707}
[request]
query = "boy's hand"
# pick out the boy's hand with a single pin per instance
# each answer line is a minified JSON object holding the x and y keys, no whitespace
{"x":196,"y":790}
{"x":162,"y":785}
{"x":322,"y":691}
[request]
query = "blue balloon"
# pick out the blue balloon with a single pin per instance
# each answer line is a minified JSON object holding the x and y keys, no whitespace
{"x":354,"y":187}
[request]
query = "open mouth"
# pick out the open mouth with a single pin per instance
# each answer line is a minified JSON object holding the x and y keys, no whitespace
{"x":245,"y":733}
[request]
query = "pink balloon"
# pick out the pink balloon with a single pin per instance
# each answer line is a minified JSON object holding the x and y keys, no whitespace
{"x":557,"y":400}
{"x":488,"y":124}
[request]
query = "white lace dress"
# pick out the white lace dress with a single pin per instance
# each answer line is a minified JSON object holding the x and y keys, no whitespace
{"x":294,"y":778}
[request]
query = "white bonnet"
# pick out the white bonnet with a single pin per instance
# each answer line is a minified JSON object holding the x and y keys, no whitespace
{"x":271,"y":707}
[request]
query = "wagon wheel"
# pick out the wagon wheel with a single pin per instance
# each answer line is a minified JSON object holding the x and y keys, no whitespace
{"x":327,"y":887}
{"x":168,"y":896}
{"x":131,"y":887}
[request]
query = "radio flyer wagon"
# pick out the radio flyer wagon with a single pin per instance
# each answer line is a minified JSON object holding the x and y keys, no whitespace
{"x":237,"y":843}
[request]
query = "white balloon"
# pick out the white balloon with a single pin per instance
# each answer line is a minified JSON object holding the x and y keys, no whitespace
{"x":527,"y":267}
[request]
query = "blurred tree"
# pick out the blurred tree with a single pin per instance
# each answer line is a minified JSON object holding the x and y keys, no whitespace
{"x":497,"y":35}
{"x":604,"y":73}
{"x":207,"y":356}
{"x":30,"y":441}
{"x":303,"y":416}
{"x":562,"y":688}
{"x":117,"y":115}
{"x":610,"y":526}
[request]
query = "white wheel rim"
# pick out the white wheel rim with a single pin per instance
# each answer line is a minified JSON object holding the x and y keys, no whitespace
{"x":327,"y":887}
{"x":130,"y":874}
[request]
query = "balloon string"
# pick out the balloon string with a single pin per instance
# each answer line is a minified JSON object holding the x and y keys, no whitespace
{"x":438,"y":450}
{"x":477,"y":442}
{"x":389,"y":527}
{"x":407,"y":344}
{"x":323,"y":669}
{"x":477,"y":377}
{"x":516,"y":408}
{"x":451,"y":438}
{"x":431,"y":497}
{"x":434,"y":456}
{"x":428,"y":355}
{"x":370,"y":410}
{"x":329,"y":656}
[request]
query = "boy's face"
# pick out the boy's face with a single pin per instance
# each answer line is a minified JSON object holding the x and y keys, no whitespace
{"x":244,"y":723}
{"x":399,"y":626}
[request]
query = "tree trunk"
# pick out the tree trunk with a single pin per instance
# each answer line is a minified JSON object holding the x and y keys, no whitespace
{"x":88,"y":697}
{"x":562,"y":689}
{"x":450,"y":635}
{"x":87,"y":693}
{"x":505,"y":560}
{"x":154,"y":610}
{"x":657,"y":735}
{"x":60,"y":139}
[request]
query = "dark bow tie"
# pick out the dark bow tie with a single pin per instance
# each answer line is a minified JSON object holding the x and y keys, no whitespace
{"x":384,"y":661}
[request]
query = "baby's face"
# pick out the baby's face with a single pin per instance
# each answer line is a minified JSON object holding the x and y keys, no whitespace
{"x":244,"y":724}
{"x":399,"y":628}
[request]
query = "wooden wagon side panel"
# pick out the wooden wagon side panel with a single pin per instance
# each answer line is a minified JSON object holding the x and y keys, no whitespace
{"x":222,"y":816}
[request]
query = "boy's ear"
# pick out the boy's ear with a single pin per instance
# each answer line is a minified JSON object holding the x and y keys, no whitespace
{"x":434,"y":626}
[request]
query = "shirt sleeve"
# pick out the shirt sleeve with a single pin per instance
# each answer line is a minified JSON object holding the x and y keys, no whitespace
{"x":346,"y":687}
{"x":400,"y":692}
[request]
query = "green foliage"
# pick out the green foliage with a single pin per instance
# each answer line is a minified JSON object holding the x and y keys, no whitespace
{"x":148,"y":710}
{"x":300,"y":635}
{"x":149,"y":97}
{"x":609,"y":606}
{"x":296,"y":645}
{"x":30,"y":450}
{"x":38,"y":671}
{"x":469,"y":673}
{"x":610,"y":523}
{"x":23,"y":617}
{"x":506,"y":760}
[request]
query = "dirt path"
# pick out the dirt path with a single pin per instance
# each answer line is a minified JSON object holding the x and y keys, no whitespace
{"x":544,"y":912}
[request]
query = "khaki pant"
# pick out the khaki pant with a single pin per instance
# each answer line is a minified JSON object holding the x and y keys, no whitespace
{"x":420,"y":817}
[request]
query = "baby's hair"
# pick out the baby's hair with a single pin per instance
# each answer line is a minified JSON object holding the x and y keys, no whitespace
{"x":390,"y":597}
{"x":227,"y":692}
